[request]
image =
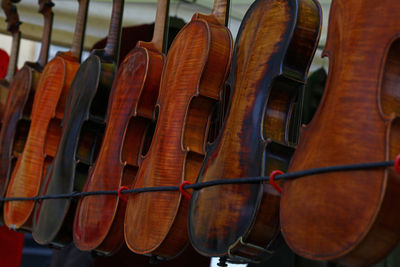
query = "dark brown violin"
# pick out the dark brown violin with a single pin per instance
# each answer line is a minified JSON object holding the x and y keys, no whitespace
{"x":194,"y":75}
{"x":273,"y":51}
{"x":351,"y":217}
{"x":99,"y":219}
{"x":17,"y":115}
{"x":13,"y":28}
{"x":83,"y":129}
{"x":45,"y":130}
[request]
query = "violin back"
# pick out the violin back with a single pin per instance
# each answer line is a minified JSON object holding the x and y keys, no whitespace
{"x":350,"y":217}
{"x":273,"y":51}
{"x":42,"y":140}
{"x":195,"y":71}
{"x":82,"y":133}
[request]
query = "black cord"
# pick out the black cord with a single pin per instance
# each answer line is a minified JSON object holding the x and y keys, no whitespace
{"x":197,"y":186}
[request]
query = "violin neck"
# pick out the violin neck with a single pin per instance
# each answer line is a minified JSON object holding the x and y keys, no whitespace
{"x":161,"y":26}
{"x":46,"y":36}
{"x":80,"y":28}
{"x":221,"y":11}
{"x":12,"y":65}
{"x":112,"y":46}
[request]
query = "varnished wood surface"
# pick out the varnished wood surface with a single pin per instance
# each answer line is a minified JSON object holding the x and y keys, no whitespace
{"x":44,"y":134}
{"x":17,"y":116}
{"x":350,"y":217}
{"x":99,"y":219}
{"x":195,"y":72}
{"x":257,"y":125}
{"x":83,"y":130}
{"x":30,"y":167}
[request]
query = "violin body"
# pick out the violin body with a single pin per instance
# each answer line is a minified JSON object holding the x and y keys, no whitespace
{"x":70,"y":166}
{"x":99,"y":219}
{"x":350,"y":217}
{"x":18,"y":110}
{"x":192,"y":79}
{"x":42,"y":141}
{"x":17,"y":119}
{"x":273,"y":51}
{"x":83,"y":130}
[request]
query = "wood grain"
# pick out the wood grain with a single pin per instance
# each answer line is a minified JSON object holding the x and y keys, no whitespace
{"x":196,"y":68}
{"x":350,"y":217}
{"x":255,"y":136}
{"x":43,"y":137}
{"x":99,"y":219}
{"x":82,"y":134}
{"x":17,"y":116}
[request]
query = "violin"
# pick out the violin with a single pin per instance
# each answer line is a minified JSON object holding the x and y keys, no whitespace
{"x":17,"y":115}
{"x":13,"y":24}
{"x":350,"y":217}
{"x":273,"y":52}
{"x":83,"y":129}
{"x":45,"y":129}
{"x":98,"y":223}
{"x":196,"y":68}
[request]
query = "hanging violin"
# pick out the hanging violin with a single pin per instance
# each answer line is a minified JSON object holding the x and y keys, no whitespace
{"x":99,"y":219}
{"x":196,"y":68}
{"x":83,"y":129}
{"x":350,"y":217}
{"x":45,"y":130}
{"x":17,"y":115}
{"x":273,"y":51}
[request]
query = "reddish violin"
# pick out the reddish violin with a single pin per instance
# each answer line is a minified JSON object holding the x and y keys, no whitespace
{"x":196,"y":68}
{"x":83,"y":129}
{"x":273,"y":51}
{"x":45,"y":130}
{"x":17,"y":115}
{"x":13,"y":28}
{"x":351,"y":217}
{"x":99,"y":219}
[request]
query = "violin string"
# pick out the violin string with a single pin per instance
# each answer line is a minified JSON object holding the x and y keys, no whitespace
{"x":200,"y":185}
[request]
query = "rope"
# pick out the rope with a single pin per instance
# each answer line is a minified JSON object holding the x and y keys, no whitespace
{"x":246,"y":180}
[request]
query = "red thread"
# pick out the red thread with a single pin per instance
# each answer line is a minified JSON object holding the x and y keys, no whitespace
{"x":119,"y":192}
{"x":183,"y":192}
{"x":272,"y":180}
{"x":397,"y":163}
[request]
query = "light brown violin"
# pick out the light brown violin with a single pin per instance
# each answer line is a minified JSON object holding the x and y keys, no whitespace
{"x":17,"y":115}
{"x":45,"y":130}
{"x":351,"y":217}
{"x":194,"y":75}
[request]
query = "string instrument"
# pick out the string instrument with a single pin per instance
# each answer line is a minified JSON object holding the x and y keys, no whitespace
{"x":196,"y":68}
{"x":13,"y":23}
{"x":273,"y":51}
{"x":99,"y":220}
{"x":45,"y":130}
{"x":81,"y":139}
{"x":350,"y":217}
{"x":17,"y":115}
